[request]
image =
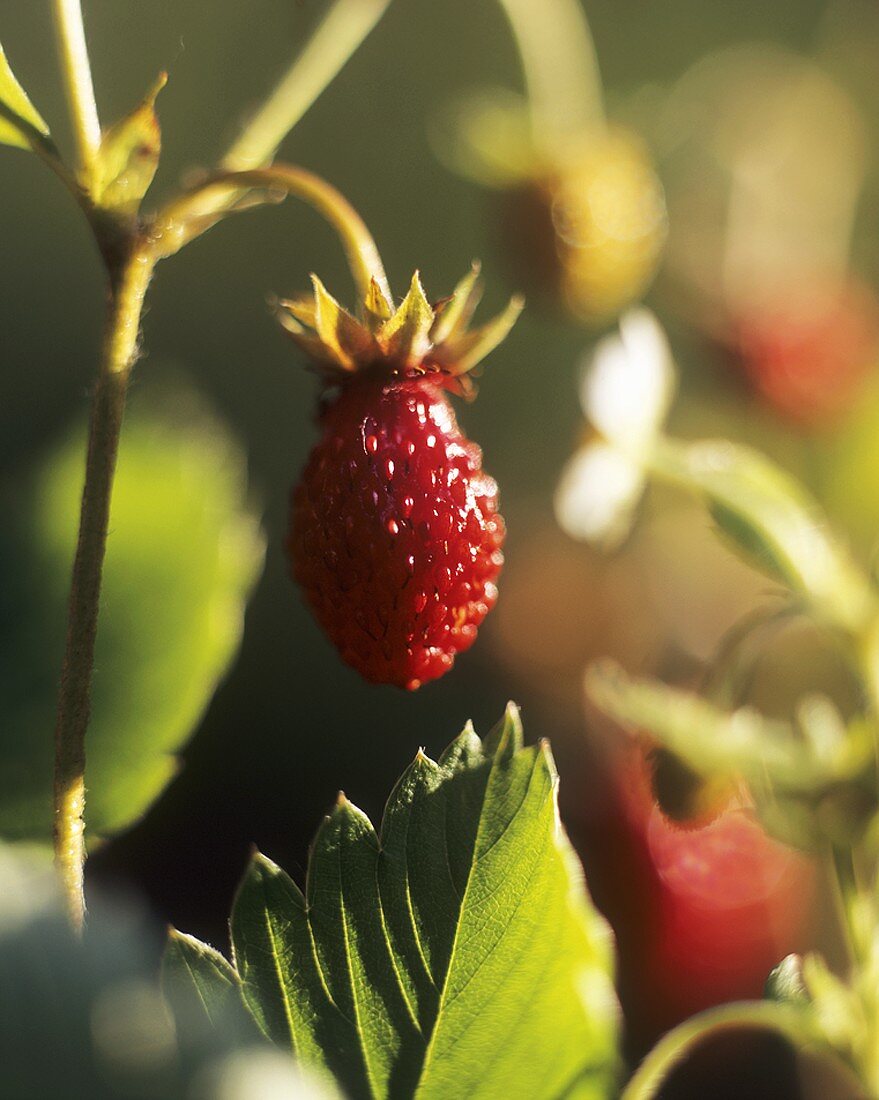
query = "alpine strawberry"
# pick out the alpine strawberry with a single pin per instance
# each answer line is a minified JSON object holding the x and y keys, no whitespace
{"x":394,"y":535}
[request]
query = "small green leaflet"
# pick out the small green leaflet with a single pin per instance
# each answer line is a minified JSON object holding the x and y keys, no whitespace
{"x":774,"y":523}
{"x":129,"y":156}
{"x":21,"y":125}
{"x":456,"y":953}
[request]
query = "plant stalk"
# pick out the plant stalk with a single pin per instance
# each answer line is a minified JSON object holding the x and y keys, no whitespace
{"x":78,"y":86}
{"x":125,"y":304}
{"x":340,"y":33}
{"x":565,"y":92}
{"x":188,"y":215}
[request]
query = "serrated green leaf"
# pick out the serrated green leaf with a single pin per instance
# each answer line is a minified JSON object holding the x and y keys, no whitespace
{"x":203,"y":988}
{"x":183,"y":552}
{"x":456,"y":954}
{"x":129,"y":156}
{"x":774,"y":523}
{"x":21,"y":125}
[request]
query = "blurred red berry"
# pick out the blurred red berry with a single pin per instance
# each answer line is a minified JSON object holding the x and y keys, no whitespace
{"x":395,"y":535}
{"x":700,"y":914}
{"x":808,"y":353}
{"x":731,"y":901}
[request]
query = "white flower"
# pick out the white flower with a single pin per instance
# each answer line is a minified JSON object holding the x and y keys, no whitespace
{"x":626,"y":391}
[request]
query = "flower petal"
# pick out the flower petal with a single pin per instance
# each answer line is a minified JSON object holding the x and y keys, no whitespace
{"x":597,"y":495}
{"x":629,"y":381}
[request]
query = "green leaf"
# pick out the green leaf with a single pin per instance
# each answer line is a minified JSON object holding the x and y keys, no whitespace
{"x":707,"y":739}
{"x":785,"y":982}
{"x":774,"y":523}
{"x":21,"y":125}
{"x":84,"y":1018}
{"x":129,"y":156}
{"x":807,"y":786}
{"x":183,"y":553}
{"x":197,"y":980}
{"x":455,"y":954}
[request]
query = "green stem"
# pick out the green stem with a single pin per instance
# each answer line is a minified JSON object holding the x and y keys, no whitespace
{"x":849,"y":898}
{"x":555,"y":44}
{"x":77,"y":74}
{"x":125,"y":304}
{"x":191,"y":213}
{"x":674,"y":1047}
{"x":340,"y":33}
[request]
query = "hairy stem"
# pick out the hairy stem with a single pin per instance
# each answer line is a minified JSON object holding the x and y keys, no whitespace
{"x":190,"y":214}
{"x":560,"y":65}
{"x":125,"y":304}
{"x":340,"y":33}
{"x":78,"y":87}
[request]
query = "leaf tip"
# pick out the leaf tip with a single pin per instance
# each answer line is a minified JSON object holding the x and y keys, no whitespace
{"x":513,"y":722}
{"x":545,"y":750}
{"x":261,"y":867}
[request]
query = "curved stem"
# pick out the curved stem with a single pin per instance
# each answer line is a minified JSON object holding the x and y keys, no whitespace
{"x":125,"y":304}
{"x":672,"y":1048}
{"x":560,"y":65}
{"x":78,"y":87}
{"x":194,"y":211}
{"x":340,"y":33}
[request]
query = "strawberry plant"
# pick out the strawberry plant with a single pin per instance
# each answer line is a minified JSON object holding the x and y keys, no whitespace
{"x":447,"y":945}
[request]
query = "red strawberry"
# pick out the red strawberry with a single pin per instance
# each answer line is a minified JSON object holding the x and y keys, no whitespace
{"x":395,"y":536}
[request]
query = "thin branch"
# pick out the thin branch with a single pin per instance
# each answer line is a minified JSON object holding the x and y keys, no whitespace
{"x":560,"y":65}
{"x":78,"y":86}
{"x":194,"y":211}
{"x":342,"y":30}
{"x":74,"y":702}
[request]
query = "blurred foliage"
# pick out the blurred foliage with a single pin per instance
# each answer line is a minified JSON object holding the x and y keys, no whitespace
{"x":96,"y":1005}
{"x":184,"y":552}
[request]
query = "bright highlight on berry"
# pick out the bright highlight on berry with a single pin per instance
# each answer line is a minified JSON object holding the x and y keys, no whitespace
{"x":395,"y":536}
